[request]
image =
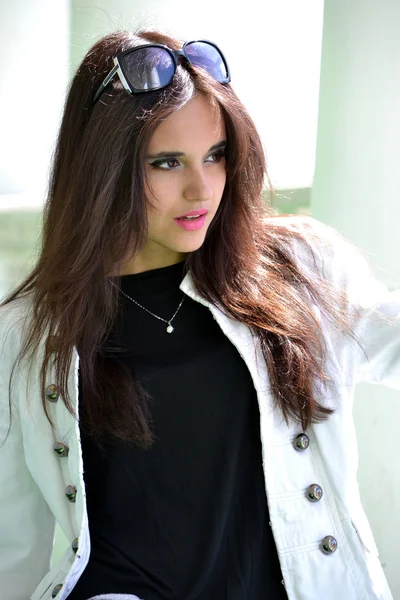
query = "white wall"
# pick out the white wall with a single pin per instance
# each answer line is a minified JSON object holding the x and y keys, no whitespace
{"x":273,"y":49}
{"x":356,"y":189}
{"x":34,"y":44}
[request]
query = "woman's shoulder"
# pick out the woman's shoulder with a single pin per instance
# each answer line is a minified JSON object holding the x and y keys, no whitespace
{"x":316,"y":245}
{"x":15,"y":311}
{"x":304,"y":236}
{"x":13,"y":318}
{"x":306,"y":228}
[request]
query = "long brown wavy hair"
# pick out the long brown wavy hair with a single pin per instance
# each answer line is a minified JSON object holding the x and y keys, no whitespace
{"x":95,"y":218}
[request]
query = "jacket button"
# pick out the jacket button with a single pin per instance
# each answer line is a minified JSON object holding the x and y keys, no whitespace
{"x":61,"y":449}
{"x":56,"y":589}
{"x":329,"y":544}
{"x":52,"y":393}
{"x":314,"y":492}
{"x":74,"y":545}
{"x":70,"y":492}
{"x":301,"y":441}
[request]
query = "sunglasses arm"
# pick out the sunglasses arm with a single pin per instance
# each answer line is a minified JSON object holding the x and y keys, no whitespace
{"x":105,"y":83}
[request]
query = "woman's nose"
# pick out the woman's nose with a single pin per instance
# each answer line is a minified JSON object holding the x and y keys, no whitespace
{"x":198,"y":187}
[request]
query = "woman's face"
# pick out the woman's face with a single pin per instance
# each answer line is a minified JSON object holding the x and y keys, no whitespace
{"x":189,"y":175}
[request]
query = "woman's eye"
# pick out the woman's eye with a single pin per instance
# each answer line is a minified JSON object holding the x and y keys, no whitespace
{"x":172,"y":161}
{"x":157,"y":164}
{"x":219,"y":155}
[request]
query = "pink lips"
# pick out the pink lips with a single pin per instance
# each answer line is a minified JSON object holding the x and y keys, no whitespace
{"x":192,"y":224}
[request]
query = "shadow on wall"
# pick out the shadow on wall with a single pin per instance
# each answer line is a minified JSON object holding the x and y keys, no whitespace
{"x":20,"y":235}
{"x":19,"y":245}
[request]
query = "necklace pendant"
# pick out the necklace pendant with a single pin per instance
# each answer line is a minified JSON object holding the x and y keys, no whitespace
{"x":169,"y":329}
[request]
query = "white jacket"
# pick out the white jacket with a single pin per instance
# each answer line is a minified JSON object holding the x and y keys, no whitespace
{"x":34,"y":478}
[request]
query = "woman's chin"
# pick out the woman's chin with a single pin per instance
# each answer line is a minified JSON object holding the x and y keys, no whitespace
{"x":191,"y":244}
{"x":187,"y":248}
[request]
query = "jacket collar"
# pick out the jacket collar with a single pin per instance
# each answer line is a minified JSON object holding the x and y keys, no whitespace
{"x":187,"y":286}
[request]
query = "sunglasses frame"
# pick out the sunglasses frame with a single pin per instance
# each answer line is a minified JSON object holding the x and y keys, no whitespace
{"x":176,"y":55}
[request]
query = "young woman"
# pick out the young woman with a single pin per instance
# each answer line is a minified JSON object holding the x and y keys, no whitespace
{"x":177,"y":371}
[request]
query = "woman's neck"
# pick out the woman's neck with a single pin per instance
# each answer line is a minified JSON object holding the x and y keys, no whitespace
{"x":141,"y":264}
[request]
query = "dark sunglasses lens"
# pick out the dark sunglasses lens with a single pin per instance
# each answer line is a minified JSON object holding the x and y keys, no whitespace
{"x":209,"y":58}
{"x":148,"y":68}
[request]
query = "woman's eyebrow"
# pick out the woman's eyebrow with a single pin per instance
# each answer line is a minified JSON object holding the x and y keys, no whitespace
{"x":172,"y":154}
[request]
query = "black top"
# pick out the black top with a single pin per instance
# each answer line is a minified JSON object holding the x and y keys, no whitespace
{"x":187,"y":519}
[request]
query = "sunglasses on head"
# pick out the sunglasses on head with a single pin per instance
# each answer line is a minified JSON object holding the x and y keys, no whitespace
{"x":151,"y":67}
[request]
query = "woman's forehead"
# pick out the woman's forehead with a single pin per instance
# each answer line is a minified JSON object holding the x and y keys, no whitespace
{"x":195,"y":122}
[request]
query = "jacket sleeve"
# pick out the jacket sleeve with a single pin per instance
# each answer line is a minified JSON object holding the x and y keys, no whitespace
{"x":27,"y":525}
{"x":373,"y":308}
{"x":376,"y":312}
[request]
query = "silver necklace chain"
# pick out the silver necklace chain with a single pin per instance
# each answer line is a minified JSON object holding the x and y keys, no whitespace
{"x":170,"y":328}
